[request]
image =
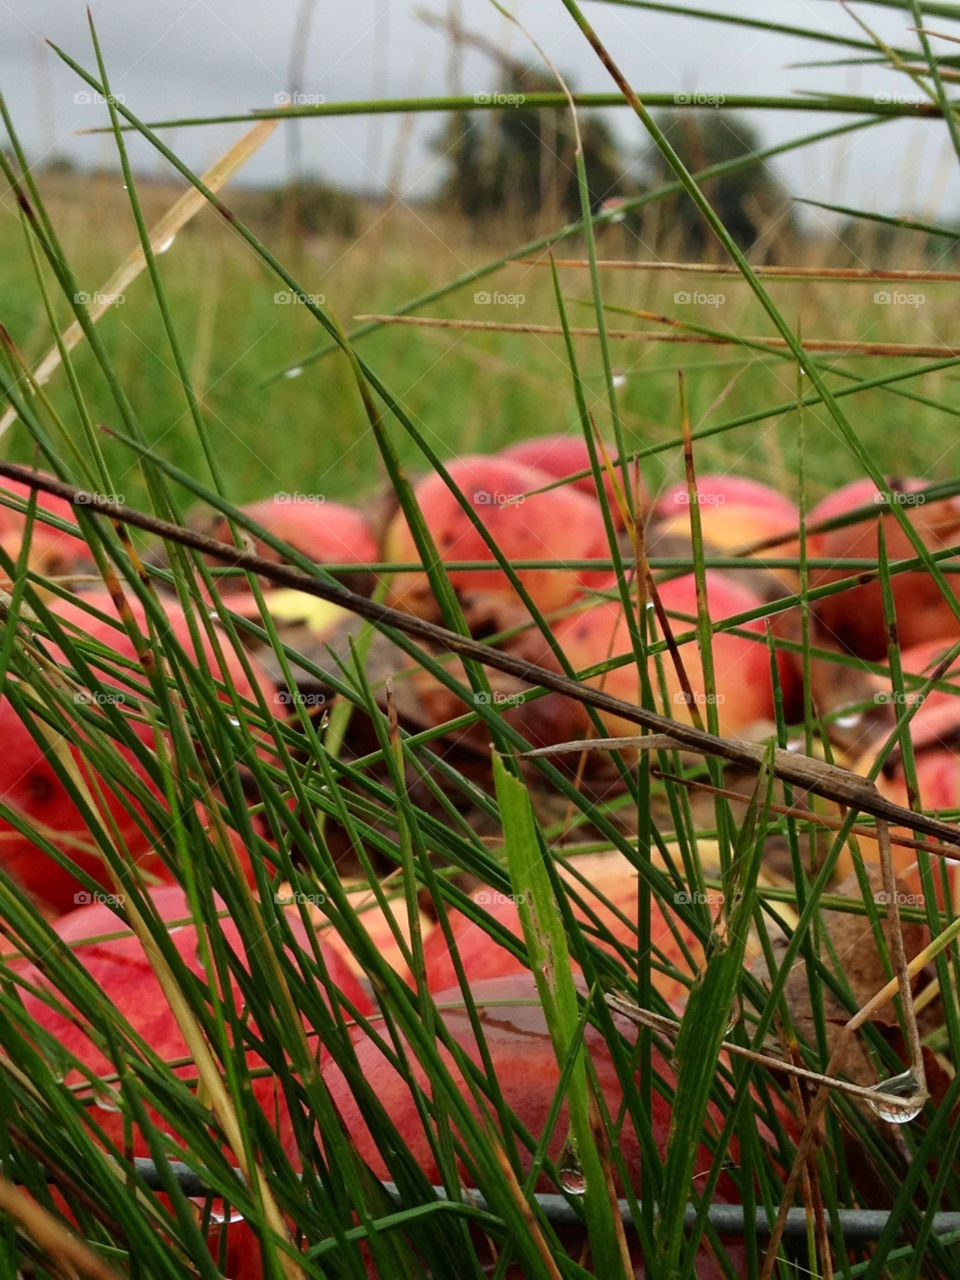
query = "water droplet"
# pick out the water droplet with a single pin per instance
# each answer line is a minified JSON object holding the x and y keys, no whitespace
{"x":218,"y":1217}
{"x":215,"y":617}
{"x":324,"y":719}
{"x":619,"y":378}
{"x":570,"y":1170}
{"x":903,"y":1086}
{"x":795,"y":744}
{"x":164,"y":247}
{"x":295,"y":372}
{"x":107,"y":1100}
{"x":849,"y":721}
{"x":234,"y":721}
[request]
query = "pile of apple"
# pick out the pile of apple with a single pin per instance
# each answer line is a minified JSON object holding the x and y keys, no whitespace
{"x":515,"y":496}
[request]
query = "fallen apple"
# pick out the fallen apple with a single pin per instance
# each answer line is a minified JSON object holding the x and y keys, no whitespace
{"x":115,"y":960}
{"x":524,"y":1065}
{"x":610,"y":902}
{"x":561,"y":524}
{"x":51,"y":553}
{"x":854,"y":618}
{"x":565,"y":455}
{"x":744,"y":694}
{"x":735,"y":512}
{"x":31,"y":786}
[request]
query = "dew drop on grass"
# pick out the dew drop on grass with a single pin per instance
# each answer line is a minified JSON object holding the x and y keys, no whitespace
{"x":849,"y":721}
{"x":295,"y":372}
{"x":164,"y":247}
{"x":106,"y":1100}
{"x":570,"y":1171}
{"x":234,"y":721}
{"x":214,"y":616}
{"x":903,"y":1086}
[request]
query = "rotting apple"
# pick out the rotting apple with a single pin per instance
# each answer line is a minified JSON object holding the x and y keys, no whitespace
{"x":117,"y":963}
{"x":561,"y":524}
{"x":735,"y":512}
{"x":854,"y":618}
{"x":744,"y":694}
{"x":565,"y":455}
{"x":526,"y":1071}
{"x":31,"y":785}
{"x":610,"y":896}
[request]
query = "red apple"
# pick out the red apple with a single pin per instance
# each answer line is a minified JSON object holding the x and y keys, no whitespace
{"x":119,"y":966}
{"x":30,"y":785}
{"x":610,"y":879}
{"x":326,"y":532}
{"x":565,"y":455}
{"x":744,"y":691}
{"x":854,"y":618}
{"x":526,"y":1071}
{"x":52,"y":553}
{"x":561,"y":523}
{"x":735,"y":512}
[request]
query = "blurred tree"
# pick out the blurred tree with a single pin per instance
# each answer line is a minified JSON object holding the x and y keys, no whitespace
{"x":752,"y":202}
{"x":519,"y":162}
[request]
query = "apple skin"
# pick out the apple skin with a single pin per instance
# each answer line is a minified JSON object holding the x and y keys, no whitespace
{"x":735,"y":512}
{"x":548,"y":526}
{"x":52,"y":553}
{"x":744,"y":690}
{"x":119,"y":966}
{"x":609,"y":876}
{"x":853,"y":619}
{"x":526,"y":1071}
{"x":565,"y":455}
{"x":933,"y":733}
{"x":326,"y":532}
{"x":30,"y":784}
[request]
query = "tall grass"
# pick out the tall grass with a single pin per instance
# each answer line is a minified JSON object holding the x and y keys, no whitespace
{"x":183,"y":395}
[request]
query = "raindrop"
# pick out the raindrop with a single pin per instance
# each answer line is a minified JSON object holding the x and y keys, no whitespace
{"x":107,"y":1100}
{"x":795,"y":744}
{"x":903,"y":1086}
{"x":165,"y":246}
{"x":215,"y":617}
{"x":295,"y":372}
{"x":324,"y":719}
{"x":849,"y":721}
{"x":570,"y":1171}
{"x":619,"y":378}
{"x":234,"y":721}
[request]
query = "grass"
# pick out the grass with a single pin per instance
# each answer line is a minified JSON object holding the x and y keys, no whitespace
{"x":180,"y":393}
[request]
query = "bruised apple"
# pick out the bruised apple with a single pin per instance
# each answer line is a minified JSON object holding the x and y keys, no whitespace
{"x":853,"y":619}
{"x":565,"y":455}
{"x":744,"y":692}
{"x":51,"y":552}
{"x":119,"y":966}
{"x":31,"y":786}
{"x":561,"y":524}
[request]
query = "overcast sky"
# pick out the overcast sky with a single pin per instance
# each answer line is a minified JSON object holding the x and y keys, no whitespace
{"x":204,"y":57}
